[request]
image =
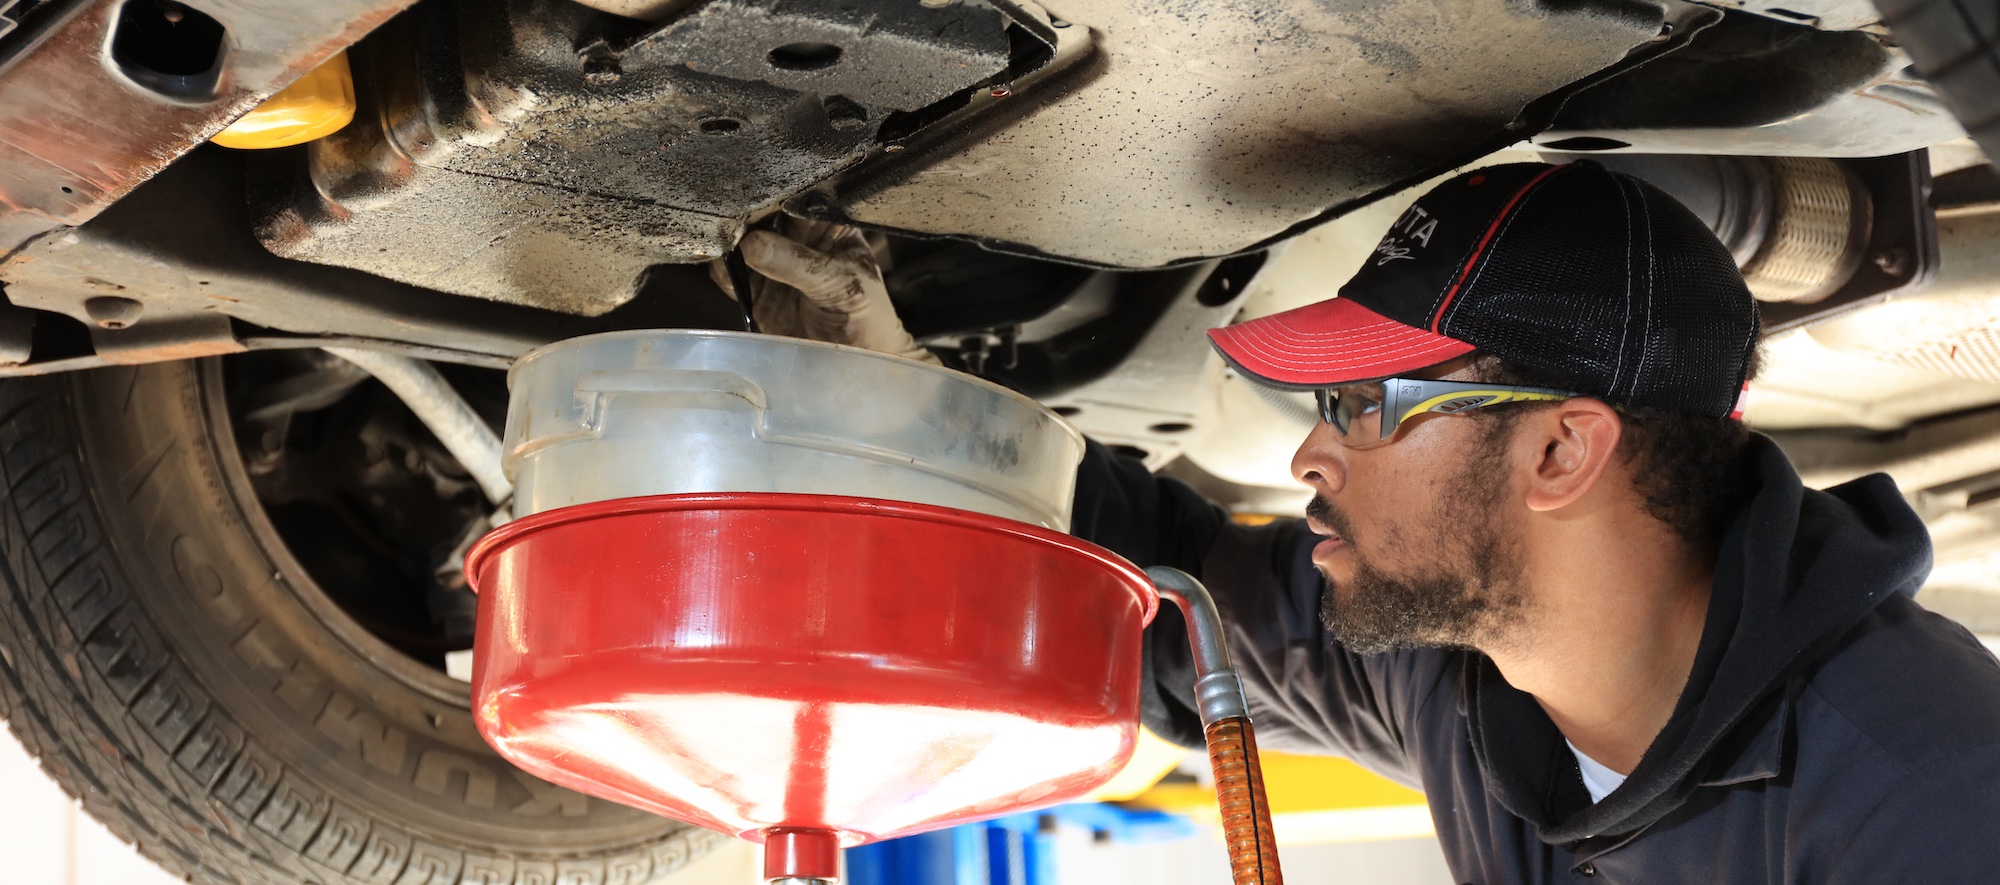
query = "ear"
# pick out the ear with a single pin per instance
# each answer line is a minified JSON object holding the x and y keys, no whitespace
{"x":1578,"y":440}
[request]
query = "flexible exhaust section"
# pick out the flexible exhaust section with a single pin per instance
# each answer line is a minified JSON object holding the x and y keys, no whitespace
{"x":1232,"y":745}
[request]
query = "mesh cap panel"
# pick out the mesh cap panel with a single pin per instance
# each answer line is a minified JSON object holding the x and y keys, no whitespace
{"x":1573,"y":272}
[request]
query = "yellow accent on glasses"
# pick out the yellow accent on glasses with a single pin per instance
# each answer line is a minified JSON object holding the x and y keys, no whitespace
{"x":1368,"y":414}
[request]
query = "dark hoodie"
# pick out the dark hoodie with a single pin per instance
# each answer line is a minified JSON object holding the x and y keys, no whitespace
{"x":1831,"y":730}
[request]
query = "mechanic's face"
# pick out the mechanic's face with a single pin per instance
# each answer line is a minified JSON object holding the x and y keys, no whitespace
{"x":1421,"y":548}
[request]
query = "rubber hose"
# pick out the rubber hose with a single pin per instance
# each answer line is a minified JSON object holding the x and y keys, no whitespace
{"x":1246,"y":811}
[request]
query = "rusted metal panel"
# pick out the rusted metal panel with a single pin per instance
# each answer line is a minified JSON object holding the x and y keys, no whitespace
{"x":77,"y":132}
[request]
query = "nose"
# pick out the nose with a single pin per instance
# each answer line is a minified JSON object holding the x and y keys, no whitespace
{"x":1321,"y":462}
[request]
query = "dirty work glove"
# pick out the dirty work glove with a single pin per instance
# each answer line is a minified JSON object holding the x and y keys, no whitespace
{"x":821,"y":281}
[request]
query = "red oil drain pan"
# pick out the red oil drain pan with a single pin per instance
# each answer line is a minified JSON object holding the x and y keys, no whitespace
{"x":808,"y":671}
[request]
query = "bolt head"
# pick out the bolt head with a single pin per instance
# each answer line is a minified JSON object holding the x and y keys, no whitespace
{"x":1893,"y":261}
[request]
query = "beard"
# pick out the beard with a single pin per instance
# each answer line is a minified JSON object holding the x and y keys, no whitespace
{"x":1467,"y":591}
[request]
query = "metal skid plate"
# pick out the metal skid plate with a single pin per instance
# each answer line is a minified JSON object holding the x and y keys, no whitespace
{"x":548,"y":154}
{"x":177,"y":262}
{"x":1194,"y":129}
{"x":1760,"y":86}
{"x":882,"y":55}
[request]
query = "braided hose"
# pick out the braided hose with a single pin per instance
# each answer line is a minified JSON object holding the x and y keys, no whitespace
{"x":1818,"y":231}
{"x":1232,"y":745}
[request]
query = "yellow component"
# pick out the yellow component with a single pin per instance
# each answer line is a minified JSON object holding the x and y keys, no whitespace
{"x":1314,"y":799}
{"x":1152,"y":758}
{"x":1496,"y":397}
{"x":315,"y":105}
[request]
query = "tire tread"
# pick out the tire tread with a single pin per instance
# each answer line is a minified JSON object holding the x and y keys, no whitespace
{"x":111,"y":713}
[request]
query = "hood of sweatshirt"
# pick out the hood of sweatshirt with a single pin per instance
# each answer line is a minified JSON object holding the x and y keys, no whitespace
{"x":1797,"y":569}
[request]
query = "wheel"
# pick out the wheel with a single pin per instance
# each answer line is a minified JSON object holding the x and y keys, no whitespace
{"x":175,"y":668}
{"x":1956,"y":46}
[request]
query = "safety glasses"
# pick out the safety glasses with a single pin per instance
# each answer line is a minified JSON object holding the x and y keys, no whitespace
{"x":1367,"y":415}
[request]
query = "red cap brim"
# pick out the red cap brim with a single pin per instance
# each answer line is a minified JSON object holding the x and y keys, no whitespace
{"x":1333,"y":342}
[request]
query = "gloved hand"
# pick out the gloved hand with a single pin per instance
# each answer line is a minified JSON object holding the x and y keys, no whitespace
{"x":821,"y":281}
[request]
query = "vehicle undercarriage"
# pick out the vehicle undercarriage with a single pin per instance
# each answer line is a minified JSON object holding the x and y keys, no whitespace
{"x":234,"y":555}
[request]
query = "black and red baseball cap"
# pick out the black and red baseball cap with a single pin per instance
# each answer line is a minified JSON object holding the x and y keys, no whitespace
{"x":1569,"y":272}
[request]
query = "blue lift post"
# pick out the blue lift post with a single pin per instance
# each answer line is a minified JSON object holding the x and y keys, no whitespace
{"x":1014,"y":850}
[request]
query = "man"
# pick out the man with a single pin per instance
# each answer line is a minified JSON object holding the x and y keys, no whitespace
{"x":1549,"y":579}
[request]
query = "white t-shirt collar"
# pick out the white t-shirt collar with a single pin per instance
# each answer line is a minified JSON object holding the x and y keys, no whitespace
{"x":1598,"y":778}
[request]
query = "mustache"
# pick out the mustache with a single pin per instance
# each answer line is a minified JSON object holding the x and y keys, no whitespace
{"x":1322,"y":511}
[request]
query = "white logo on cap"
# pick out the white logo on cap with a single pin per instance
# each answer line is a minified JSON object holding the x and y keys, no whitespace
{"x":1411,"y":232}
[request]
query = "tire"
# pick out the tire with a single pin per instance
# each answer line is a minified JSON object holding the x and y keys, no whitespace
{"x":1956,"y":46}
{"x":173,"y":668}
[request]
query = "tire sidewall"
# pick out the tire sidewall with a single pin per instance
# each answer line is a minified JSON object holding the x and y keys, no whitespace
{"x":288,"y":732}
